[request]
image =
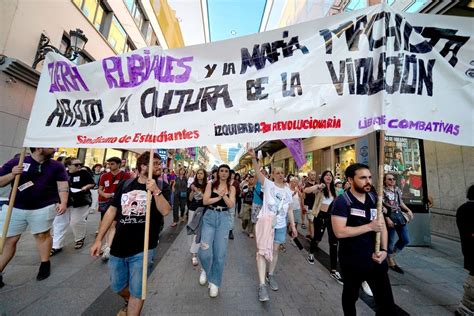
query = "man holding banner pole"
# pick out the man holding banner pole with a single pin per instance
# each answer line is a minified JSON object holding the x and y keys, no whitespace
{"x":42,"y":193}
{"x":128,"y":209}
{"x":356,"y":223}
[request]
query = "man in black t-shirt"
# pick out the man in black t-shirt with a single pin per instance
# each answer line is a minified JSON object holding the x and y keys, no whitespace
{"x":355,"y":223}
{"x":79,"y":201}
{"x":128,"y":209}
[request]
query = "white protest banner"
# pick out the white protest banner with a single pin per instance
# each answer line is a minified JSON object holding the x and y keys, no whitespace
{"x":345,"y":75}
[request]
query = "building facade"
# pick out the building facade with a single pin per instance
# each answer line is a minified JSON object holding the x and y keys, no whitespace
{"x":111,"y":26}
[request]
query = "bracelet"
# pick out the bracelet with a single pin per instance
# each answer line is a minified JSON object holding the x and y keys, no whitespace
{"x":158,"y":194}
{"x":381,"y":249}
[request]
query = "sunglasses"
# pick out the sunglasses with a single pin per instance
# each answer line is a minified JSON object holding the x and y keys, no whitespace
{"x":77,"y":164}
{"x":390,"y":179}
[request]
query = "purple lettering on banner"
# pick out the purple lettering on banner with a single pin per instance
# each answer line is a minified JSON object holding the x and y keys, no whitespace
{"x":184,"y":77}
{"x":53,"y":87}
{"x":109,"y":70}
{"x":136,"y":71}
{"x":76,"y":77}
{"x":140,"y":66}
{"x":425,"y":126}
{"x":64,"y":77}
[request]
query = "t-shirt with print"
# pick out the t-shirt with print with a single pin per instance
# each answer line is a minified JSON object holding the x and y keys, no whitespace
{"x":391,"y":199}
{"x":358,"y":250}
{"x":276,"y":200}
{"x":130,"y":201}
{"x":109,"y":182}
{"x":38,"y":186}
{"x":77,"y":181}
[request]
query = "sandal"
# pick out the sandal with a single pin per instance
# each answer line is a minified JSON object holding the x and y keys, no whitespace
{"x":194,"y":260}
{"x":79,"y":244}
{"x":55,"y":251}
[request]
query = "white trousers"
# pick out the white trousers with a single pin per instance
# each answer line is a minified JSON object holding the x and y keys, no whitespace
{"x":95,"y":200}
{"x":192,"y":238}
{"x":76,"y":216}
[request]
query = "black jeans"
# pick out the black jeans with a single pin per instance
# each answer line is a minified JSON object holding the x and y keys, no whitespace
{"x":320,"y":223}
{"x":377,"y":278}
{"x":238,"y":204}
{"x":179,"y":207}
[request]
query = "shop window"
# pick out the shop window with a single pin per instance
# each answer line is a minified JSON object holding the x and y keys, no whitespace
{"x":131,"y":159}
{"x":93,"y":156}
{"x":402,"y":158}
{"x":344,"y":157}
{"x":66,"y":152}
{"x":308,"y":166}
{"x":113,"y":153}
{"x":141,"y":21}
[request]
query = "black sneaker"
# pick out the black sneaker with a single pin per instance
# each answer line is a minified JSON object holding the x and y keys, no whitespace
{"x":55,"y":251}
{"x":336,"y":276}
{"x":231,"y":235}
{"x":396,"y":268}
{"x":44,"y":271}
{"x":1,"y":281}
{"x":310,"y":258}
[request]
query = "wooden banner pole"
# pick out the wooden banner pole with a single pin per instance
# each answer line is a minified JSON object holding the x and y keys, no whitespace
{"x":380,"y":186}
{"x":147,"y":229}
{"x":11,"y":203}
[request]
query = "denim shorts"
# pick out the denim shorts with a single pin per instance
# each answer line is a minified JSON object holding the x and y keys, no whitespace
{"x":280,"y":235}
{"x":39,"y":220}
{"x":127,"y":272}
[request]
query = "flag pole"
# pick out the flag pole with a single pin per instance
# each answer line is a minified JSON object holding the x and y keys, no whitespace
{"x":11,"y":202}
{"x":380,"y":185}
{"x":147,"y":229}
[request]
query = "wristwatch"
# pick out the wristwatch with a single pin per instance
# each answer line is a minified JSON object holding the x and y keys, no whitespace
{"x":158,"y":194}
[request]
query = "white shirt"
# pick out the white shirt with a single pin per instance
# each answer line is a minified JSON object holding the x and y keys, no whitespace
{"x":276,"y":200}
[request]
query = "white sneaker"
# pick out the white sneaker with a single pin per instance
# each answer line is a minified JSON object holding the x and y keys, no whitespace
{"x":213,"y":290}
{"x":366,"y":289}
{"x":202,"y":278}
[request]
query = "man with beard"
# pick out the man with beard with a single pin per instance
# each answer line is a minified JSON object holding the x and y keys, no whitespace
{"x":355,"y":223}
{"x":42,"y":193}
{"x":128,"y":209}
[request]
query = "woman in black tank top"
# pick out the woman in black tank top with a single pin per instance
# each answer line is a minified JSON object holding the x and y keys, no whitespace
{"x":196,"y":197}
{"x":219,"y":197}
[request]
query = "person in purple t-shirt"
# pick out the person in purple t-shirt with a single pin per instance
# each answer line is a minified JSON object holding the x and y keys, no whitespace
{"x":42,"y":193}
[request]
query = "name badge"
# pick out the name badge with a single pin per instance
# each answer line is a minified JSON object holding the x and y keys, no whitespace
{"x":357,"y":212}
{"x":25,"y":186}
{"x":76,"y":179}
{"x":373,"y":214}
{"x":107,"y":183}
{"x":26,"y":167}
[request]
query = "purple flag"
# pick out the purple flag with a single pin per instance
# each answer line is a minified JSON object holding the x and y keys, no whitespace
{"x":295,"y":146}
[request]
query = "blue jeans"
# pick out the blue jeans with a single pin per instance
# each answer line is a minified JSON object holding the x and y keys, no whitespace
{"x":214,"y":238}
{"x":403,"y":239}
{"x":127,"y":272}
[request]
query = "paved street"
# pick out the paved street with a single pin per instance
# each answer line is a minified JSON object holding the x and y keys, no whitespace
{"x":79,"y":285}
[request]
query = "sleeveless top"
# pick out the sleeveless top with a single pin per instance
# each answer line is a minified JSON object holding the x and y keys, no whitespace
{"x":219,"y":203}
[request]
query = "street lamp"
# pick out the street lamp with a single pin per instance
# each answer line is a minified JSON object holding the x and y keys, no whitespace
{"x":77,"y":43}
